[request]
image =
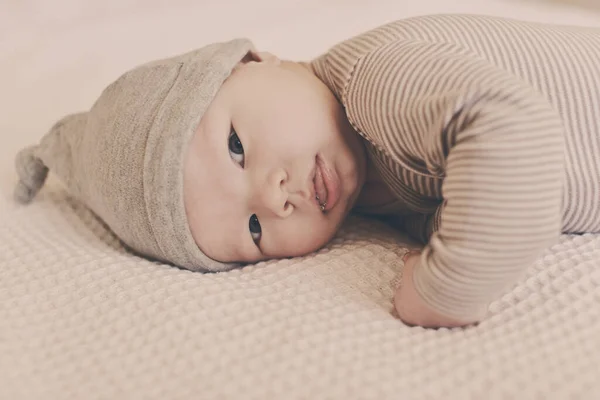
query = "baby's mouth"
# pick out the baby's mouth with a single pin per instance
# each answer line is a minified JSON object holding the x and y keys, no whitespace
{"x":327,"y":185}
{"x":322,"y":205}
{"x":320,"y":189}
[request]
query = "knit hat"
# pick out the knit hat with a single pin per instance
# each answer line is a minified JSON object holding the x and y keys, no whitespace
{"x":124,"y":158}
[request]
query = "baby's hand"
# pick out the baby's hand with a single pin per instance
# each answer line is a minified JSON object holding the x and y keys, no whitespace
{"x":410,"y":307}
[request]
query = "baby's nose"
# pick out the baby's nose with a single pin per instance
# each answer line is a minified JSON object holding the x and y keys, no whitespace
{"x":273,"y":195}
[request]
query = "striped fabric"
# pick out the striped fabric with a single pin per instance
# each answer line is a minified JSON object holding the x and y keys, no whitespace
{"x":487,"y":131}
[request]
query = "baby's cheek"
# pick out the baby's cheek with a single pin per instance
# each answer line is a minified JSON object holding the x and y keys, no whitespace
{"x":306,"y":236}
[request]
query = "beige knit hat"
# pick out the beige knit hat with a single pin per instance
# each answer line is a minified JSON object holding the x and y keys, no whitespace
{"x":124,"y":158}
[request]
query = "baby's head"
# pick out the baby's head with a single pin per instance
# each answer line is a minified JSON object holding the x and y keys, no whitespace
{"x":274,"y":167}
{"x":212,"y":158}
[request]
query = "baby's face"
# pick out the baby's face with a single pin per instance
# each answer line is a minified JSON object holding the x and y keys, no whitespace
{"x":273,"y":168}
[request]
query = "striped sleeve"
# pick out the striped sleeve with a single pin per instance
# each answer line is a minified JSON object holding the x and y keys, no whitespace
{"x":443,"y":113}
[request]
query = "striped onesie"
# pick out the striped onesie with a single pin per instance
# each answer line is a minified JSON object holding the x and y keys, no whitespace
{"x":487,"y":132}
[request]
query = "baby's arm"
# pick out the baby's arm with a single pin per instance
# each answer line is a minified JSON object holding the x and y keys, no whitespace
{"x":498,"y":146}
{"x":411,"y":308}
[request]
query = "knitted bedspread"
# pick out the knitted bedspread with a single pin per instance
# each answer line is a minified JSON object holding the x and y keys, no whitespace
{"x":80,"y":318}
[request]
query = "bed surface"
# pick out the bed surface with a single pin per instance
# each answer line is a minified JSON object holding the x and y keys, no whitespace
{"x":80,"y":318}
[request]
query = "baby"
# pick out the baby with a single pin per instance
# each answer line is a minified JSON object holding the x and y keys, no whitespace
{"x":478,"y":136}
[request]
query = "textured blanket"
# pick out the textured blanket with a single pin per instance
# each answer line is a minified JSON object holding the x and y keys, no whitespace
{"x":80,"y":318}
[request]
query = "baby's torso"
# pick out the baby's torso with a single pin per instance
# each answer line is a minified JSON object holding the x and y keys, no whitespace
{"x":561,"y":63}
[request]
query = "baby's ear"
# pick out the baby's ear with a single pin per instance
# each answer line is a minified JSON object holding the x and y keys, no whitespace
{"x":255,"y":56}
{"x":266,"y":57}
{"x":261,"y":57}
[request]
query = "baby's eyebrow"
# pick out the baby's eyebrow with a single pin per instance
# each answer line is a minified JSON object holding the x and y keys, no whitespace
{"x":260,"y":249}
{"x":248,"y":254}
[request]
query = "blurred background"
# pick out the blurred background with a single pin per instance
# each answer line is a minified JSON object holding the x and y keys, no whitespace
{"x":56,"y":56}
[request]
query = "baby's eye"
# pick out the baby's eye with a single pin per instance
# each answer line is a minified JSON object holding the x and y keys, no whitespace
{"x":255,"y":229}
{"x":236,"y":150}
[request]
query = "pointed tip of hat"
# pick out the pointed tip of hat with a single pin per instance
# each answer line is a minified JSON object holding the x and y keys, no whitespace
{"x":32,"y":175}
